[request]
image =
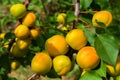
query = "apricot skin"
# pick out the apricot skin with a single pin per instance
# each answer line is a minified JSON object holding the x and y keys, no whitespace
{"x":41,"y":63}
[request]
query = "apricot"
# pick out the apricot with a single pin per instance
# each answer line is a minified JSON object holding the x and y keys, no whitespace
{"x":41,"y":63}
{"x":18,"y":10}
{"x":34,"y":33}
{"x":62,"y":64}
{"x":2,"y":35}
{"x":114,"y":71}
{"x":22,"y":32}
{"x":23,"y":44}
{"x":16,"y":52}
{"x":15,"y":65}
{"x":76,"y":39}
{"x":61,"y":18}
{"x":87,"y":58}
{"x":29,"y":19}
{"x":56,"y":45}
{"x":104,"y":17}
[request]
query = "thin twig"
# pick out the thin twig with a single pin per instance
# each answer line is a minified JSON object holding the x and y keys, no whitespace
{"x":86,"y":12}
{"x":34,"y":77}
{"x":44,"y":6}
{"x":88,"y":25}
{"x":26,"y":3}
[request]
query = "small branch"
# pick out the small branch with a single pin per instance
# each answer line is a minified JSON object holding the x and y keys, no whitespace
{"x":87,"y":25}
{"x":26,"y":3}
{"x":86,"y":12}
{"x":34,"y":77}
{"x":77,"y":9}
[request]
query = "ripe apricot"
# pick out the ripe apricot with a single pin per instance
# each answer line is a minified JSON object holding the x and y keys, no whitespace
{"x":18,"y":10}
{"x":62,"y":64}
{"x":87,"y":58}
{"x":16,"y":52}
{"x":2,"y":35}
{"x":61,"y":18}
{"x":34,"y":33}
{"x":56,"y":45}
{"x":15,"y":65}
{"x":22,"y":32}
{"x":23,"y":44}
{"x":104,"y":17}
{"x":114,"y":71}
{"x":29,"y":19}
{"x":76,"y":39}
{"x":41,"y":63}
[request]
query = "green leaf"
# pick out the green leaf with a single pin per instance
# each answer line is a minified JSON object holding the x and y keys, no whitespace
{"x":102,"y":70}
{"x":107,"y":48}
{"x":118,"y":77}
{"x":90,"y":35}
{"x":70,"y":17}
{"x":111,"y":78}
{"x":90,"y":76}
{"x":85,"y":3}
{"x":101,"y":2}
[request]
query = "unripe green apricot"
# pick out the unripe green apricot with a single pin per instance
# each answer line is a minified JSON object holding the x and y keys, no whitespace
{"x":18,"y":10}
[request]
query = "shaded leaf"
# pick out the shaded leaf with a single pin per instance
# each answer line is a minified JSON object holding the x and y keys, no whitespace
{"x":102,"y":70}
{"x":90,"y":36}
{"x":101,"y":2}
{"x":85,"y":3}
{"x":90,"y":76}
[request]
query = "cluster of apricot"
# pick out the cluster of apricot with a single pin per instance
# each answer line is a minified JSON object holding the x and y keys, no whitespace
{"x":25,"y":31}
{"x":58,"y":46}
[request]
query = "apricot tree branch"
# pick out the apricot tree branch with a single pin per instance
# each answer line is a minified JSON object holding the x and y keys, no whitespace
{"x":77,"y":9}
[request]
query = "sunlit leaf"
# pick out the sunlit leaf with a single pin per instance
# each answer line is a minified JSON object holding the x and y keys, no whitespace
{"x":107,"y":48}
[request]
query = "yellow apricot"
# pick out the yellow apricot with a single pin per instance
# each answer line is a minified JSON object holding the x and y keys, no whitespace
{"x":76,"y":39}
{"x":61,"y":18}
{"x":104,"y":17}
{"x":15,"y":65}
{"x":18,"y":10}
{"x":29,"y":19}
{"x":23,"y":44}
{"x":22,"y":32}
{"x":87,"y":58}
{"x":16,"y":52}
{"x":62,"y":64}
{"x":34,"y":33}
{"x":56,"y":45}
{"x":114,"y":71}
{"x":2,"y":35}
{"x":41,"y":63}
